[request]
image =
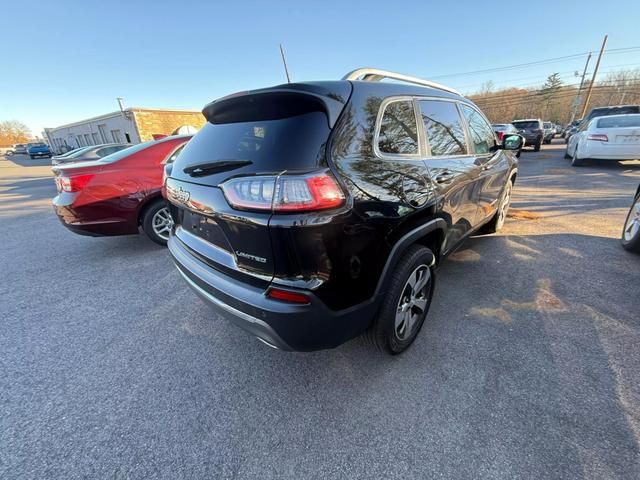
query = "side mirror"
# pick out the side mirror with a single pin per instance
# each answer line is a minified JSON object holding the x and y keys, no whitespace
{"x":512,"y":142}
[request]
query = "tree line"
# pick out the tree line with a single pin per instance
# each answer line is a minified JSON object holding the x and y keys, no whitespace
{"x":555,"y":101}
{"x":12,"y":132}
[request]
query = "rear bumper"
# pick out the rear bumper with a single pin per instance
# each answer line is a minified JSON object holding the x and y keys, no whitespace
{"x":285,"y":326}
{"x":604,"y":151}
{"x":81,"y":222}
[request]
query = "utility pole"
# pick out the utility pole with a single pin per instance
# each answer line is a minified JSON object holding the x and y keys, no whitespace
{"x":284,"y":62}
{"x":593,"y":79}
{"x":576,"y":102}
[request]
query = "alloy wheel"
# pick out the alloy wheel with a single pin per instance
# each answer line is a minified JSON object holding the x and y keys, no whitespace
{"x":162,"y":223}
{"x":413,"y":302}
{"x":632,"y":227}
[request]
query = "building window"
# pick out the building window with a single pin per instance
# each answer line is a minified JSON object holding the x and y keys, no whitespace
{"x":103,"y":133}
{"x":115,"y":134}
{"x":87,"y":139}
{"x":96,"y":138}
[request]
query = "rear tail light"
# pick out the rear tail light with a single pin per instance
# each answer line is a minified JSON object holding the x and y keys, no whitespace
{"x":287,"y":296}
{"x":500,"y":135}
{"x":74,"y":183}
{"x":284,"y":193}
{"x":600,"y":137}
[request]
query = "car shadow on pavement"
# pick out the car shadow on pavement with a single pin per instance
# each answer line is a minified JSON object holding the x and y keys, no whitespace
{"x":522,"y":365}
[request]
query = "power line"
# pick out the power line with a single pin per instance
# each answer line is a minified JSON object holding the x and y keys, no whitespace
{"x":538,"y":62}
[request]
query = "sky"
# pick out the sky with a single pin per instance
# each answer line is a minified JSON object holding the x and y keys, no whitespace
{"x":64,"y":61}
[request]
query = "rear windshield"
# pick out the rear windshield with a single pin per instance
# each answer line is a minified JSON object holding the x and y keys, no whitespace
{"x":547,"y":125}
{"x":619,"y":122}
{"x":291,"y":143}
{"x":522,"y":125}
{"x":114,"y":157}
{"x":499,"y":128}
{"x":605,"y":112}
{"x":79,"y":151}
{"x":38,"y":145}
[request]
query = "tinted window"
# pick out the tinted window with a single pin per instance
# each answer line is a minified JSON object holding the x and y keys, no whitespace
{"x":443,"y":127}
{"x":482,"y":135}
{"x":523,"y":125}
{"x":398,"y":132}
{"x":293,"y":142}
{"x":619,"y":122}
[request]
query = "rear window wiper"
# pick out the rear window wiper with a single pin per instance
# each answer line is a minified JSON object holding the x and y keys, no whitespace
{"x":209,"y":168}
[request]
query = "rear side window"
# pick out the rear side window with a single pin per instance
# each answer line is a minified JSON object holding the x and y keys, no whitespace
{"x":482,"y":135}
{"x":398,"y":133}
{"x":172,"y":157}
{"x":443,"y":127}
{"x":619,"y":122}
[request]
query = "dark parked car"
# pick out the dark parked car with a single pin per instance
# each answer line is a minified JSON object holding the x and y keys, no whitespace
{"x":611,"y":110}
{"x":309,"y":213}
{"x":88,"y":154}
{"x":39,"y":149}
{"x":631,"y":231}
{"x":502,"y":129}
{"x":118,"y":194}
{"x":532,"y":130}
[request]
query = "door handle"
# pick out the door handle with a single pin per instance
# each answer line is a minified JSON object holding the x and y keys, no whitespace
{"x":445,"y":177}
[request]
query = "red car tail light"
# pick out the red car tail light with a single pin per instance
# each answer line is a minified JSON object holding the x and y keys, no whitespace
{"x":287,"y":296}
{"x":600,"y":137}
{"x":73,"y":183}
{"x":285,"y":193}
{"x":500,"y":135}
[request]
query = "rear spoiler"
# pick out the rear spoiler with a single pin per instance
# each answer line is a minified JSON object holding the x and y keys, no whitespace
{"x":280,"y":102}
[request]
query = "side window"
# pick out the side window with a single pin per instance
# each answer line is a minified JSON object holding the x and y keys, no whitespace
{"x":443,"y":127}
{"x":398,"y":133}
{"x":482,"y":136}
{"x":172,"y":157}
{"x":103,"y":152}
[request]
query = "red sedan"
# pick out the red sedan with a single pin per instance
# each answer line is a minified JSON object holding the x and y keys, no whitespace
{"x":119,"y":193}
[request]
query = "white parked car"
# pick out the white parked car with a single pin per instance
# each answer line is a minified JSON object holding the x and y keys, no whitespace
{"x":615,"y":137}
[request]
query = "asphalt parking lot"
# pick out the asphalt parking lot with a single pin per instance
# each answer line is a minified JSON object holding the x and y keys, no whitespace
{"x":528,"y":367}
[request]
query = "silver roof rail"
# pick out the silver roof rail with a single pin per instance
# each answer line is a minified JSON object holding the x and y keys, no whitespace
{"x":376,"y":75}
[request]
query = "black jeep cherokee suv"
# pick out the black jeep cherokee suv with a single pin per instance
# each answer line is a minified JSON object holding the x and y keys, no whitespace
{"x":309,"y":213}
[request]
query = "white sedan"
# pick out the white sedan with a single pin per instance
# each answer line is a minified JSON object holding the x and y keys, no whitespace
{"x":616,"y":137}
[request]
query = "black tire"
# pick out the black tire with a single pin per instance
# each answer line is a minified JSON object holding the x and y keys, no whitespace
{"x":384,"y":332}
{"x":497,"y":222}
{"x":566,"y":155}
{"x":148,"y":218}
{"x":631,"y":241}
{"x":519,"y":153}
{"x":537,"y":146}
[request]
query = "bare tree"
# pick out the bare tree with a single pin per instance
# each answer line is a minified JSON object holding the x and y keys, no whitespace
{"x":12,"y":132}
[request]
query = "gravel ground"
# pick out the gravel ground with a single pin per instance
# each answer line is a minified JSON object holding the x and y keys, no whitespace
{"x":528,"y":367}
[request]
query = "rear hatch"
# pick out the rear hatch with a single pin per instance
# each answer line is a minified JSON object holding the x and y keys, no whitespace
{"x":620,"y":130}
{"x":222,"y":186}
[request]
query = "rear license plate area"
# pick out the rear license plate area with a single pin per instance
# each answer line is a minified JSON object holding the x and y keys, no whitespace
{"x":204,"y":227}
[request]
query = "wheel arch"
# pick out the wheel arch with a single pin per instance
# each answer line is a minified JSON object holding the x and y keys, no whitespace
{"x":145,"y":204}
{"x":430,"y":235}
